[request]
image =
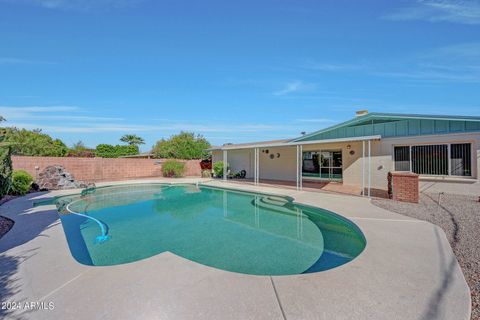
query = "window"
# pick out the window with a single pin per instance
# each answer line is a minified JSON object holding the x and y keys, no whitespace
{"x":461,"y":162}
{"x":402,"y":158}
{"x":434,"y":159}
{"x":430,"y":159}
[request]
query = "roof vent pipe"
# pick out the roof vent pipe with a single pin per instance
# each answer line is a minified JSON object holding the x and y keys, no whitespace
{"x":360,"y":113}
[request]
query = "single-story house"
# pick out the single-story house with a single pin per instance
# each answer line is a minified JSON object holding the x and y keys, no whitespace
{"x":360,"y":152}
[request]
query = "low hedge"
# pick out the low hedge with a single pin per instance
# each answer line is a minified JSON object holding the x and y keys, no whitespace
{"x":21,"y":183}
{"x":173,"y":169}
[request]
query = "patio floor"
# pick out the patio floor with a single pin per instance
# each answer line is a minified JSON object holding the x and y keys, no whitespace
{"x":407,"y":271}
{"x":313,"y":186}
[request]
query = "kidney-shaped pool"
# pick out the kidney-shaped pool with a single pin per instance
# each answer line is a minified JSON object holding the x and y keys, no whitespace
{"x":237,"y":231}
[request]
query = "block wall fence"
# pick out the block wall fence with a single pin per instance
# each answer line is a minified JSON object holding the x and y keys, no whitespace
{"x":102,"y":169}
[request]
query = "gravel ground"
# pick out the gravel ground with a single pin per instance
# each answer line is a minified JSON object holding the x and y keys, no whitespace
{"x":459,"y":217}
{"x":5,"y":223}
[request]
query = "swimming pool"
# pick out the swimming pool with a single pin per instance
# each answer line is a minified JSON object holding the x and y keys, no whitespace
{"x":236,"y":231}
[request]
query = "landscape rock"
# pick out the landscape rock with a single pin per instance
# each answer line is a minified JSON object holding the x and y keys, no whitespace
{"x":57,"y":178}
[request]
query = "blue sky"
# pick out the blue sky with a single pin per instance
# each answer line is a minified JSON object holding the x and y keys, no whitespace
{"x":94,"y":70}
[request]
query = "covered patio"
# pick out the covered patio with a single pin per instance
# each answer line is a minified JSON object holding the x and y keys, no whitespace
{"x":341,"y":165}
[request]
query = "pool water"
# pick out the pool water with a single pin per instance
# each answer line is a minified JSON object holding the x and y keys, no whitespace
{"x":236,"y":231}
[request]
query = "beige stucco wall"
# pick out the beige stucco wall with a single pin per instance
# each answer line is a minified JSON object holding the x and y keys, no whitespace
{"x":278,"y":168}
{"x":283,"y":168}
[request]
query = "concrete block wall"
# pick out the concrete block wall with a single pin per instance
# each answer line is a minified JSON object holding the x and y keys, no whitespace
{"x":102,"y":169}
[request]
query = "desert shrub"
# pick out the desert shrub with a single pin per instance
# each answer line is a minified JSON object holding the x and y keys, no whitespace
{"x":173,"y":168}
{"x":81,"y":153}
{"x":21,"y":182}
{"x":110,"y":151}
{"x":185,"y":145}
{"x":218,"y":169}
{"x":206,"y":173}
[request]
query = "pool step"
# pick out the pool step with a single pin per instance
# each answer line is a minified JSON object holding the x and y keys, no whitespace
{"x":274,"y":203}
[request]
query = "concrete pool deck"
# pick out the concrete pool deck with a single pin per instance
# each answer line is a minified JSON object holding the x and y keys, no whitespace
{"x":407,"y":271}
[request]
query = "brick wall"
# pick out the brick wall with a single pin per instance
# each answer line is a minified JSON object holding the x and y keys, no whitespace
{"x":102,"y":169}
{"x":404,"y":186}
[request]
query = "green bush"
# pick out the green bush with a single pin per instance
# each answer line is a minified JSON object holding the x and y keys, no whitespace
{"x":172,"y":168}
{"x":218,"y":169}
{"x":110,"y":151}
{"x":5,"y":170}
{"x":21,"y":182}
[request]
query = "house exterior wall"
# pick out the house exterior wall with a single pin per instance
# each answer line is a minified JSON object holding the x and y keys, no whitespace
{"x":284,"y":167}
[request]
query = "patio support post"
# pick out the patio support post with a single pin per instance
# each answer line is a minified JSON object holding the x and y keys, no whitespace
{"x":225,"y":164}
{"x":256,"y":169}
{"x":301,"y":167}
{"x":297,"y":168}
{"x":363,"y":168}
{"x":369,"y":167}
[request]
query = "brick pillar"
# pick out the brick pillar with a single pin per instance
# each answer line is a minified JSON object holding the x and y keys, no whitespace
{"x":405,"y":186}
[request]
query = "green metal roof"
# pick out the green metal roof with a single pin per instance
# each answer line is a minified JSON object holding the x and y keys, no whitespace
{"x":396,"y":125}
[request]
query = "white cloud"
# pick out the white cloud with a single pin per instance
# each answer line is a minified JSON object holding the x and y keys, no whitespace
{"x":81,"y":5}
{"x":453,"y":63}
{"x":457,"y":11}
{"x":49,"y":113}
{"x":10,"y":112}
{"x":293,"y":87}
{"x":171,"y":127}
{"x":11,"y":60}
{"x":7,"y":60}
{"x":315,"y":120}
{"x":333,"y":67}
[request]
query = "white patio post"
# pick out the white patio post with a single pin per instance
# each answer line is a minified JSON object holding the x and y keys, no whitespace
{"x":256,"y":174}
{"x":301,"y":167}
{"x":255,"y":166}
{"x":369,"y":167}
{"x":297,"y":169}
{"x":363,"y":168}
{"x":225,"y":165}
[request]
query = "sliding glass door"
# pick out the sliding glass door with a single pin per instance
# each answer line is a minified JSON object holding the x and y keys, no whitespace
{"x":322,"y":165}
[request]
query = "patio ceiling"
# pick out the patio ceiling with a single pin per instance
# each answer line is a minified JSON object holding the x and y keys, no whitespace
{"x":292,"y":144}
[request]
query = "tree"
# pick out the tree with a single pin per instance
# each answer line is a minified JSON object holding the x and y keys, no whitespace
{"x":132,"y":139}
{"x":5,"y":163}
{"x":185,"y":145}
{"x":79,"y":146}
{"x":79,"y":149}
{"x":34,"y":143}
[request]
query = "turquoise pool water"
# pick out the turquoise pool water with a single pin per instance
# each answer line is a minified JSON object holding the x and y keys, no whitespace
{"x":236,"y":231}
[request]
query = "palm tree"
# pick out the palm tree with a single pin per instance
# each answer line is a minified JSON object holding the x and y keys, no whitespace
{"x":132,"y":139}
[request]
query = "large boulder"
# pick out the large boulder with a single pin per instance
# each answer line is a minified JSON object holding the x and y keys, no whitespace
{"x":57,"y":178}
